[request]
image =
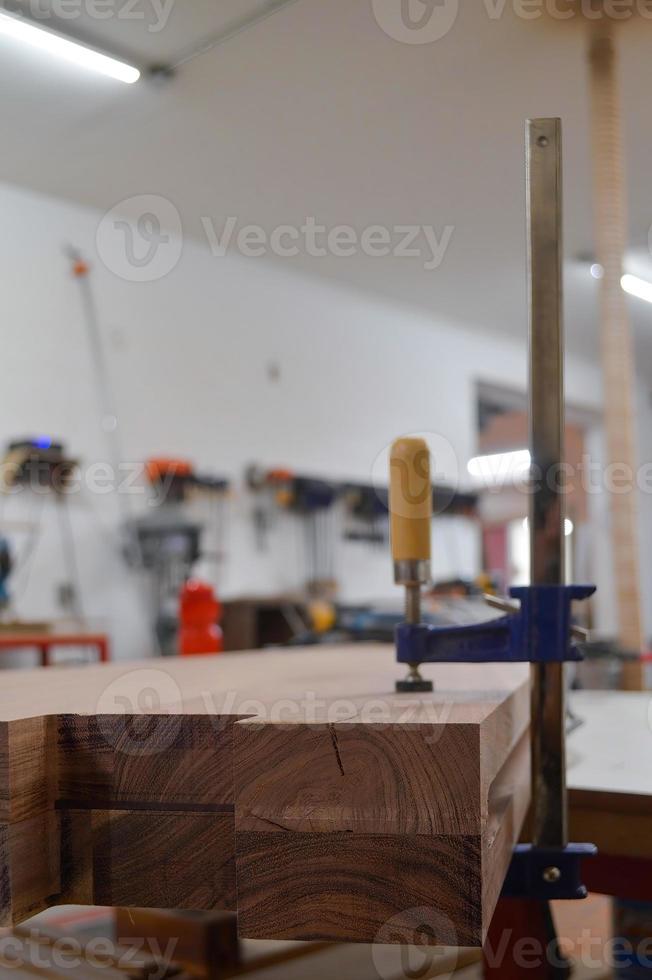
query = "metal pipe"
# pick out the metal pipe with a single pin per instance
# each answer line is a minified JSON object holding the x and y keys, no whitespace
{"x":544,"y":217}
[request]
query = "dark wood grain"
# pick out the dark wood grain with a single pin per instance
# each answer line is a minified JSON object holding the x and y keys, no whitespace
{"x":376,"y":818}
{"x":358,"y":778}
{"x":30,"y":873}
{"x":28,"y":766}
{"x":6,"y":904}
{"x":360,"y":888}
{"x":115,"y":759}
{"x":163,"y":860}
{"x":29,"y":825}
{"x":367,"y":816}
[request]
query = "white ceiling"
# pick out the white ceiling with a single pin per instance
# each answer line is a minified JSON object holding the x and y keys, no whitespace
{"x":317,"y":112}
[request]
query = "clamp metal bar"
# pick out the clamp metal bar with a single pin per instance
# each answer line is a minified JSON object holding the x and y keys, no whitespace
{"x":546,"y":356}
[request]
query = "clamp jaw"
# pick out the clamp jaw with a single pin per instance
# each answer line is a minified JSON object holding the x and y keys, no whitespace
{"x":547,"y":873}
{"x":538,"y":632}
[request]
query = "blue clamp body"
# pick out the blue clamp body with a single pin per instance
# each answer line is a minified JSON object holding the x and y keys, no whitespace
{"x":539,"y":632}
{"x":547,"y":873}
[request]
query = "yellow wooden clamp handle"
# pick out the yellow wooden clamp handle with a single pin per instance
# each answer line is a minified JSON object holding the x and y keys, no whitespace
{"x":410,"y":500}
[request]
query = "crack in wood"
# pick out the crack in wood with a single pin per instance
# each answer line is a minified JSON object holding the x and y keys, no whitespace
{"x":336,"y":747}
{"x":273,"y":823}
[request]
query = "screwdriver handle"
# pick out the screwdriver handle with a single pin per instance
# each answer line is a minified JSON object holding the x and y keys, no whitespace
{"x":410,"y":504}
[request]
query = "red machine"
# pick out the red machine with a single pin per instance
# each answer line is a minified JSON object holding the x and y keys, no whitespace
{"x":199,"y":615}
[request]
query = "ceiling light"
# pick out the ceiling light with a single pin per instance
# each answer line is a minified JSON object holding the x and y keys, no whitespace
{"x":20,"y":29}
{"x":637,"y":287}
{"x":634,"y":285}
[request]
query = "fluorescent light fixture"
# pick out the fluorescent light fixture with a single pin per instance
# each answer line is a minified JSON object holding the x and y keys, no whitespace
{"x":500,"y":468}
{"x":20,"y":29}
{"x":637,"y":287}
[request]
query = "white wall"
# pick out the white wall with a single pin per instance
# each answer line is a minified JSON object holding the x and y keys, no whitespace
{"x":189,"y":356}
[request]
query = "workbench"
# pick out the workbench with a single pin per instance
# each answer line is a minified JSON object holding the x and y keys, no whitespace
{"x":250,"y":781}
{"x":343,"y":810}
{"x":44,"y":641}
{"x":610,"y":780}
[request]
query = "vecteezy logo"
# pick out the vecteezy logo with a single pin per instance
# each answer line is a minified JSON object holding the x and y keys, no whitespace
{"x":141,"y":238}
{"x":135,"y":713}
{"x":412,"y":945}
{"x":416,"y":21}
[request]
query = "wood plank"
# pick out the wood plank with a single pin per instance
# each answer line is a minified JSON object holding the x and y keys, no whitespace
{"x":609,"y":774}
{"x":148,"y":859}
{"x":27,"y":768}
{"x":27,"y":957}
{"x":30,"y":878}
{"x":144,"y":759}
{"x":163,"y":860}
{"x":206,"y":945}
{"x":618,"y":823}
{"x":347,"y":887}
{"x":242,"y":685}
{"x":29,"y":826}
{"x":377,"y":816}
{"x":376,"y":803}
{"x":95,"y":944}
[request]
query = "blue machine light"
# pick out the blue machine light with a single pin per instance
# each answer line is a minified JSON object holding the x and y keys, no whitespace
{"x":43,"y":442}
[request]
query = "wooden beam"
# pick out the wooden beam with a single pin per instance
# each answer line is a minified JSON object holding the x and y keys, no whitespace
{"x":294,"y":787}
{"x":377,"y":817}
{"x":619,"y":375}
